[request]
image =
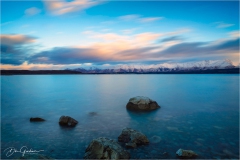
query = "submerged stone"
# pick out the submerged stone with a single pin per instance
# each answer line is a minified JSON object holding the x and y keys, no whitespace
{"x":186,"y":153}
{"x":132,"y":138}
{"x":155,"y":139}
{"x":141,"y":103}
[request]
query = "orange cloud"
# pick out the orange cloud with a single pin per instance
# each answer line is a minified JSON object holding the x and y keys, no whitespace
{"x":16,"y":39}
{"x":112,"y":45}
{"x":234,"y":34}
{"x":26,"y":66}
{"x":59,"y":7}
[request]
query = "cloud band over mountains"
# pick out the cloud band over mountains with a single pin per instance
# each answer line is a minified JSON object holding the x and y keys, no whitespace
{"x":116,"y":49}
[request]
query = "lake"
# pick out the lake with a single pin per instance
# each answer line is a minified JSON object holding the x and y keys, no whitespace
{"x":199,"y":112}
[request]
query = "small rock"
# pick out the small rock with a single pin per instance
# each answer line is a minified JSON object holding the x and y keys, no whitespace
{"x":36,"y":119}
{"x":67,"y":121}
{"x":104,"y":148}
{"x":129,"y":135}
{"x":141,"y":103}
{"x":186,"y":153}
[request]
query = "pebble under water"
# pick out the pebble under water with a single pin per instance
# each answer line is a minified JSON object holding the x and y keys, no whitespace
{"x":198,"y":112}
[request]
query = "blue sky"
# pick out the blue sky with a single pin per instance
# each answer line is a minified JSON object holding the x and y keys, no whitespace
{"x":70,"y":34}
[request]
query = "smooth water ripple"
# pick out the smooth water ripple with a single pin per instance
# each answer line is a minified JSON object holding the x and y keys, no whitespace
{"x":198,"y":112}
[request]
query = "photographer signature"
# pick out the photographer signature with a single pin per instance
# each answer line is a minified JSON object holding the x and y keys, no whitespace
{"x":24,"y":150}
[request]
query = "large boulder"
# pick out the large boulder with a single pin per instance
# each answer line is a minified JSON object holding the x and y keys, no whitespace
{"x":104,"y":148}
{"x":141,"y":103}
{"x":186,"y":153}
{"x":67,"y":121}
{"x":132,"y":138}
{"x":36,"y":119}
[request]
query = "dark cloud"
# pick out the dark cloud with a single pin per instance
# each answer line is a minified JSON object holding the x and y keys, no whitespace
{"x":229,"y":45}
{"x":15,"y":48}
{"x":13,"y":60}
{"x":4,"y":48}
{"x":184,"y":48}
{"x":173,"y":38}
{"x":66,"y":56}
{"x":200,"y":49}
{"x":12,"y":55}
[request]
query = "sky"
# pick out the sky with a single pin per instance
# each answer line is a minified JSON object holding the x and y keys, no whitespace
{"x":60,"y":34}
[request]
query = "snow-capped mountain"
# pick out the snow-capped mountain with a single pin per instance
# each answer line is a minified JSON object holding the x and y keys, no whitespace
{"x":164,"y":67}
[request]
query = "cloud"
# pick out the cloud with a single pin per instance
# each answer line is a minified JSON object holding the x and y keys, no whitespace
{"x":234,"y":34}
{"x":181,"y":31}
{"x":128,"y":31}
{"x":60,"y":7}
{"x":14,"y":48}
{"x":16,"y":39}
{"x":112,"y":48}
{"x":87,"y":56}
{"x":32,"y":11}
{"x":139,"y":18}
{"x":150,"y":19}
{"x":223,"y":25}
{"x":115,"y":48}
{"x":173,"y":38}
{"x":232,"y":45}
{"x":129,"y":17}
{"x":31,"y":66}
{"x":16,"y":59}
{"x":227,"y":48}
{"x":62,"y":55}
{"x":133,"y":39}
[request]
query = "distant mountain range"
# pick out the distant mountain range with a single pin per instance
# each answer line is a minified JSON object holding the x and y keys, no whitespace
{"x":162,"y":68}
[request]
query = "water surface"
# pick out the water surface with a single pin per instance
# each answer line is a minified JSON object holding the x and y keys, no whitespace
{"x":198,"y":112}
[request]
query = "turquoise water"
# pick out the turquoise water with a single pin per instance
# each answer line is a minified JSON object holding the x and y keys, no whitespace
{"x":198,"y":112}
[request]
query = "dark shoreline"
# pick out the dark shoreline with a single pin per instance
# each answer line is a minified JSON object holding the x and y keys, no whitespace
{"x":54,"y":72}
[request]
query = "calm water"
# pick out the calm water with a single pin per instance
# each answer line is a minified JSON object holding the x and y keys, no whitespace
{"x":198,"y":112}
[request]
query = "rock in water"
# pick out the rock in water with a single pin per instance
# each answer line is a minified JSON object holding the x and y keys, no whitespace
{"x":36,"y":119}
{"x":104,"y":148}
{"x":141,"y":103}
{"x":67,"y":121}
{"x":155,"y":139}
{"x":186,"y":153}
{"x":92,"y":113}
{"x":132,"y":138}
